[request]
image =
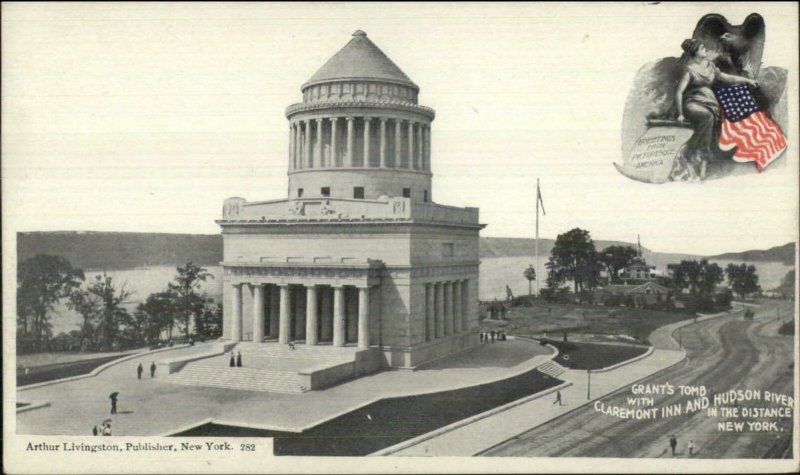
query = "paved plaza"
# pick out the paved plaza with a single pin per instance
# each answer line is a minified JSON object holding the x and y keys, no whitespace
{"x":157,"y":407}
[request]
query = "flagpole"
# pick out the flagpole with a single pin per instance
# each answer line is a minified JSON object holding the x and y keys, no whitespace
{"x":538,"y":275}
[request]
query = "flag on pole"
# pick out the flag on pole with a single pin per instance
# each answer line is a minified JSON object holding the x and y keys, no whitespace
{"x":756,"y":137}
{"x":539,"y":198}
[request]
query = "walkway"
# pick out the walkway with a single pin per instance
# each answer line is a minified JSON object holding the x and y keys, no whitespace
{"x":473,"y":438}
{"x":154,"y":407}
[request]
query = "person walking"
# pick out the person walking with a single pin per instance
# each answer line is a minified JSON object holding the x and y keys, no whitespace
{"x":233,"y":361}
{"x":558,"y":398}
{"x":673,"y":442}
{"x":239,"y":359}
{"x":153,"y":370}
{"x":94,"y":430}
{"x":481,"y":337}
{"x":494,"y":334}
{"x":690,"y":448}
{"x":139,"y":370}
{"x":113,"y":398}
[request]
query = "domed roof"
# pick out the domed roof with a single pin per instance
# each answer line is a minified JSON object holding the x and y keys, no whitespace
{"x":360,"y":59}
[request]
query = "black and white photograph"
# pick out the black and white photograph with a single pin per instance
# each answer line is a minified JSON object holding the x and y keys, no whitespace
{"x":400,"y":237}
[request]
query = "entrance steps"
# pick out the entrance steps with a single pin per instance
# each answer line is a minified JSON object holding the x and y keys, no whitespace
{"x":273,"y":367}
{"x":208,"y":373}
{"x":551,"y":368}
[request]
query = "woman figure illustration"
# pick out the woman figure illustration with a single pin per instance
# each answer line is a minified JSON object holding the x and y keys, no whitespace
{"x":696,"y":105}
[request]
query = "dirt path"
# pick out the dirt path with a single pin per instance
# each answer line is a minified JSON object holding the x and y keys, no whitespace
{"x":723,"y":354}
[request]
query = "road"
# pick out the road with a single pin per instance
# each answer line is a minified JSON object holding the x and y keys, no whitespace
{"x":723,"y":354}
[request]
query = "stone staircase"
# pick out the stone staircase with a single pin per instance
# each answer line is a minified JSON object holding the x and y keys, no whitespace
{"x":551,"y":368}
{"x":269,"y":367}
{"x":209,"y":374}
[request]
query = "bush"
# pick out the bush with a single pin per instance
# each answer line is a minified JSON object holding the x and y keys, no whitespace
{"x":557,"y":295}
{"x":700,"y":303}
{"x":787,"y":328}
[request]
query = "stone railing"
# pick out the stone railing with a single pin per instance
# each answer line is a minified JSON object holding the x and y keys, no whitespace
{"x":237,"y":210}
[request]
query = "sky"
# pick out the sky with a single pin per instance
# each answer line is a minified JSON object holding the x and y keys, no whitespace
{"x":145,"y":117}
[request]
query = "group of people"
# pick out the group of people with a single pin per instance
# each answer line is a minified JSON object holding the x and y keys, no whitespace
{"x":673,"y":443}
{"x":237,"y":361}
{"x":140,"y":370}
{"x":493,"y":335}
{"x":103,"y":429}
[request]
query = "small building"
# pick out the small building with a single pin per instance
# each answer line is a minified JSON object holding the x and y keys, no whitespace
{"x":649,"y":293}
{"x":639,"y":271}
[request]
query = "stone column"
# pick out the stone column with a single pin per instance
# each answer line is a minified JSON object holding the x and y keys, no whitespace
{"x":466,"y":305}
{"x":319,"y":161}
{"x":439,"y":313}
{"x":350,"y":156}
{"x":291,"y":146}
{"x":411,"y":144}
{"x":430,"y":308}
{"x":311,"y":315}
{"x":338,"y":316}
{"x":236,"y":307}
{"x":383,"y":142}
{"x":334,"y":158}
{"x":363,"y":317}
{"x":366,"y":142}
{"x":428,"y":148}
{"x":309,"y":156}
{"x":457,"y":311}
{"x":284,"y":332}
{"x":420,"y":147}
{"x":274,"y":310}
{"x":448,"y":308}
{"x":398,"y":142}
{"x":258,"y":313}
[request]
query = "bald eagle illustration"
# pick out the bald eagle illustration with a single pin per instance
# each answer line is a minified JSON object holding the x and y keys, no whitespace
{"x":738,"y":49}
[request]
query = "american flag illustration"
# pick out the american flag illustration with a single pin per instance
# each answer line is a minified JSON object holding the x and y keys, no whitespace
{"x":757,"y":138}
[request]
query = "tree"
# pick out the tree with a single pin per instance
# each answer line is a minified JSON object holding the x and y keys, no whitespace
{"x":111,"y":311}
{"x":574,"y":258}
{"x":530,"y":274}
{"x":88,"y":305}
{"x":616,"y":258}
{"x":42,"y":281}
{"x":189,"y":302}
{"x":699,"y":277}
{"x":209,"y":322}
{"x":157,"y":314}
{"x":742,"y":279}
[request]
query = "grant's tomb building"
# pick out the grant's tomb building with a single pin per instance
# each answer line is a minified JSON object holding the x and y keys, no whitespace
{"x":358,"y":260}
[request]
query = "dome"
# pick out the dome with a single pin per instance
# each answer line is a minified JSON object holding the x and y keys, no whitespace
{"x":360,"y":59}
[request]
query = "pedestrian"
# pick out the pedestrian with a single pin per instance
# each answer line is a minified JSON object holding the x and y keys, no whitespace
{"x":113,"y":398}
{"x":153,"y":369}
{"x":565,"y":336}
{"x":139,"y":371}
{"x":107,"y":428}
{"x":94,"y":430}
{"x":233,"y":361}
{"x":673,"y":442}
{"x":690,"y":448}
{"x":494,"y":334}
{"x":558,"y":398}
{"x":239,"y":359}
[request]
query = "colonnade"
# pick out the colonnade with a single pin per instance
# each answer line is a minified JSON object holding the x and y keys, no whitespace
{"x":446,"y":308}
{"x":280,"y":318}
{"x":349,"y":142}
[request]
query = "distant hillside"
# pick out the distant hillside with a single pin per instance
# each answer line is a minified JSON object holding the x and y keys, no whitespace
{"x":783,"y":254}
{"x":117,"y":251}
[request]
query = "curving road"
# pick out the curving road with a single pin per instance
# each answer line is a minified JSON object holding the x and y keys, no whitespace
{"x":723,"y":354}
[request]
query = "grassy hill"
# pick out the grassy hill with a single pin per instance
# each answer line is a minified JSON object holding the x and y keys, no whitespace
{"x":783,"y":254}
